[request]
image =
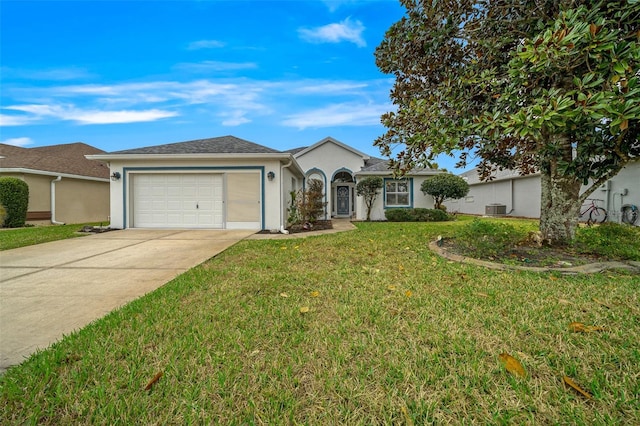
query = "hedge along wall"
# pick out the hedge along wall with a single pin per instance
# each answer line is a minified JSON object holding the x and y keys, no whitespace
{"x":14,"y":196}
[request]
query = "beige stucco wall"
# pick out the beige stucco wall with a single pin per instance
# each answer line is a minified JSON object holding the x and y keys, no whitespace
{"x":77,"y":200}
{"x":80,"y":201}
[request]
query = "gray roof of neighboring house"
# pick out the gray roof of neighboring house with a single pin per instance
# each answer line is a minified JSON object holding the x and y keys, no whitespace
{"x":472,"y":176}
{"x":64,"y":158}
{"x":219,"y":145}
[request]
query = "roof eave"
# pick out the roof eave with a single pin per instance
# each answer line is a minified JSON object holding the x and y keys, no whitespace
{"x":50,"y":173}
{"x":202,"y":156}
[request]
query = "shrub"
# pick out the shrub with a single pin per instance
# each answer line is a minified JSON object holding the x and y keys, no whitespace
{"x":397,"y":215}
{"x":14,"y":196}
{"x":307,"y":205}
{"x":3,"y":215}
{"x":443,"y":187}
{"x":416,"y":215}
{"x":483,"y":238}
{"x":611,"y":240}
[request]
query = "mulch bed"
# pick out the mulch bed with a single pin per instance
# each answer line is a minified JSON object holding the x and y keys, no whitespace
{"x":320,"y":225}
{"x":531,"y":255}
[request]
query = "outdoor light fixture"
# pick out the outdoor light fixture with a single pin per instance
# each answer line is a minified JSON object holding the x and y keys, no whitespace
{"x":115,"y":176}
{"x":271,"y":176}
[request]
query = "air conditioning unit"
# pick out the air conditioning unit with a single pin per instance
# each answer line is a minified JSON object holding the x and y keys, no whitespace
{"x":495,"y":210}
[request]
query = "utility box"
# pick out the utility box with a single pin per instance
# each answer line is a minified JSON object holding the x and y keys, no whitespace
{"x":495,"y":210}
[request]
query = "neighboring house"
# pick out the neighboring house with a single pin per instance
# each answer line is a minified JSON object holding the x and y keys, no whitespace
{"x":64,"y":187}
{"x":520,"y":195}
{"x":230,"y":183}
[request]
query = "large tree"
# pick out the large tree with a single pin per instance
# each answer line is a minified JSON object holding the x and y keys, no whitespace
{"x":548,"y":85}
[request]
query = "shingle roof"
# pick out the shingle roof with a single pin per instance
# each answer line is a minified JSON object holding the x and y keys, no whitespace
{"x":219,"y":145}
{"x":64,"y":158}
{"x":377,"y":165}
{"x":294,"y":151}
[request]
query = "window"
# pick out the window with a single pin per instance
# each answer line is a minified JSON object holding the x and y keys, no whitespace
{"x":397,"y":193}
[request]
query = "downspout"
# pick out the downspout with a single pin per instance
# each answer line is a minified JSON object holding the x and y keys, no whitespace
{"x":282,"y":167}
{"x":511,"y":187}
{"x":53,"y":201}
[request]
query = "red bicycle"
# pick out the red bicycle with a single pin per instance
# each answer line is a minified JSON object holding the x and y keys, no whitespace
{"x":596,"y":214}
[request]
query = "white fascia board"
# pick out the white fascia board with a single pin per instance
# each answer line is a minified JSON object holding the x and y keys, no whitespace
{"x":54,"y":174}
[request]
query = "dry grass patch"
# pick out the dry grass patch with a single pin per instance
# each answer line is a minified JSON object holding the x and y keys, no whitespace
{"x":393,"y":335}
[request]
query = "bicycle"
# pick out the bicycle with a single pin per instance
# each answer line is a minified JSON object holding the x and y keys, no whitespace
{"x":596,"y":214}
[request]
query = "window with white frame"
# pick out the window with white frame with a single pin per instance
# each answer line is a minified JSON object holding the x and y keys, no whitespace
{"x":397,"y":193}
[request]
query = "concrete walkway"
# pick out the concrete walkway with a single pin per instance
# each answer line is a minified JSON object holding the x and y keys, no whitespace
{"x":48,"y":290}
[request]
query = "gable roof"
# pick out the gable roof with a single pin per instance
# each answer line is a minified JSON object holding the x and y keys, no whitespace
{"x":67,"y":159}
{"x":329,"y":139}
{"x":219,"y":145}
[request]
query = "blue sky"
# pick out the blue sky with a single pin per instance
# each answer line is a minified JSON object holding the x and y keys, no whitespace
{"x":126,"y":74}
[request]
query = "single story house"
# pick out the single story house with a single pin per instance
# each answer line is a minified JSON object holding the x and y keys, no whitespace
{"x":64,"y":186}
{"x":230,"y":183}
{"x":516,"y":195}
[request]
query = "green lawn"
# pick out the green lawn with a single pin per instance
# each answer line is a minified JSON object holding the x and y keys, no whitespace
{"x":393,"y":335}
{"x":22,"y":237}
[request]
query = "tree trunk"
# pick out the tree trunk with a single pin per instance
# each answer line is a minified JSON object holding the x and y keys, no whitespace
{"x":559,"y":207}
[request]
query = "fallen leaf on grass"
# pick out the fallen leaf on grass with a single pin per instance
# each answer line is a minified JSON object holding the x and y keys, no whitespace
{"x":153,"y":381}
{"x":553,"y":278}
{"x":408,"y":293}
{"x":304,"y":309}
{"x":512,"y":365}
{"x":578,"y":327}
{"x":407,"y":419}
{"x":285,"y":295}
{"x":575,"y":387}
{"x":564,"y":301}
{"x":315,"y":293}
{"x":392,"y":288}
{"x":482,"y":294}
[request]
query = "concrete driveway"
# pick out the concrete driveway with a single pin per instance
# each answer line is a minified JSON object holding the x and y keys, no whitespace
{"x":52,"y":289}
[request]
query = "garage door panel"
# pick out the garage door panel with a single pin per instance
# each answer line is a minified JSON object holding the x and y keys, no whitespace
{"x":178,"y":200}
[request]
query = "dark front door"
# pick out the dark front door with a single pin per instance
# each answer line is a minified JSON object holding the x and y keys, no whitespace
{"x":343,"y":200}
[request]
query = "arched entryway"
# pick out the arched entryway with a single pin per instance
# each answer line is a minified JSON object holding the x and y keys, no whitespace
{"x":343,"y":194}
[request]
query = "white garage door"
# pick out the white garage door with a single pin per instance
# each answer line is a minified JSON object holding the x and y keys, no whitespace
{"x":178,"y":201}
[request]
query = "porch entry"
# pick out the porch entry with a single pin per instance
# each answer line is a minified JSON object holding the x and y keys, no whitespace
{"x":342,"y":208}
{"x":342,"y":194}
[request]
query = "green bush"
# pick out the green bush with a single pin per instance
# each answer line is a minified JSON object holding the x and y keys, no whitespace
{"x":397,"y":215}
{"x":483,"y":238}
{"x":14,"y":196}
{"x":611,"y":240}
{"x":416,"y":215}
{"x":3,"y":215}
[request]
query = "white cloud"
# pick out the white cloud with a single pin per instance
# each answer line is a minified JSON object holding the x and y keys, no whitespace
{"x":335,"y":33}
{"x":17,"y":141}
{"x":235,"y":118}
{"x":345,"y":114}
{"x":208,"y":66}
{"x":329,"y":88}
{"x":14,"y":120}
{"x":92,"y":116}
{"x":205,"y":44}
